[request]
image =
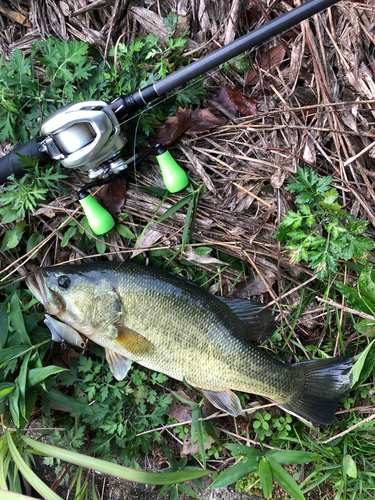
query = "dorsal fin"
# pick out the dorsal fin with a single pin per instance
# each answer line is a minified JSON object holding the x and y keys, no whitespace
{"x":257,"y":319}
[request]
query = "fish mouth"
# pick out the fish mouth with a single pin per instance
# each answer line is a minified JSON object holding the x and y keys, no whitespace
{"x":52,"y":301}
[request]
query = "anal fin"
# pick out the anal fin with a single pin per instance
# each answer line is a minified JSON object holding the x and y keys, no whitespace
{"x":133,"y":342}
{"x":224,"y":400}
{"x":119,"y":365}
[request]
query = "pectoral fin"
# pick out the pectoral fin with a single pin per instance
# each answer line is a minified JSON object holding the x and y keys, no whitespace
{"x":133,"y":342}
{"x":225,"y":400}
{"x":119,"y":365}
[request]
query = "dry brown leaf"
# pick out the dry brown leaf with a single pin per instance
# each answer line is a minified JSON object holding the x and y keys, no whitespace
{"x":178,"y":410}
{"x":16,"y":16}
{"x":193,"y":449}
{"x":113,"y":196}
{"x":203,"y":121}
{"x":149,"y":237}
{"x":277,"y":179}
{"x":192,"y":123}
{"x":191,"y":255}
{"x":267,"y":62}
{"x":151,"y":22}
{"x":68,"y":354}
{"x":233,"y":100}
{"x":168,"y":131}
{"x":255,"y":286}
{"x":309,"y":154}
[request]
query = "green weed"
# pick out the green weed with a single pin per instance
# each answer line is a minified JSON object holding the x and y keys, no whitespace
{"x":321,"y":232}
{"x":25,"y":193}
{"x":268,"y":466}
{"x":120,"y":409}
{"x":362,"y":298}
{"x":57,"y":73}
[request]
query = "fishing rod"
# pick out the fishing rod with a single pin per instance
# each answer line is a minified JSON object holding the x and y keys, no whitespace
{"x":87,"y":134}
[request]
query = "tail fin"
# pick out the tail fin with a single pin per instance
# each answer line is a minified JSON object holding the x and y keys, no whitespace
{"x":323,"y":382}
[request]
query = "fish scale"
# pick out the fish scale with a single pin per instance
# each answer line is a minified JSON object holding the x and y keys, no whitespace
{"x":168,"y":324}
{"x":208,"y":355}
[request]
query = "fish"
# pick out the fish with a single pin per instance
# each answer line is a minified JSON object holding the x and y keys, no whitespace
{"x":167,"y":324}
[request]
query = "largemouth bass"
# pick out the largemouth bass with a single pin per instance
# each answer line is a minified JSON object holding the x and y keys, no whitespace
{"x":165,"y":323}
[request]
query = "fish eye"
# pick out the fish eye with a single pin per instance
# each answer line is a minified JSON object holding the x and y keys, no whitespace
{"x":64,"y":282}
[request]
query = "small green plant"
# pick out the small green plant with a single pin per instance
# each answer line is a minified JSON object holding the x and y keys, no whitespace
{"x":178,"y":466}
{"x":366,"y":392}
{"x":171,"y":22}
{"x":23,"y":194}
{"x":362,"y":298}
{"x":120,"y":409}
{"x":282,"y":424}
{"x":261,"y":425}
{"x":26,"y":96}
{"x":251,"y":481}
{"x":240,"y":64}
{"x":180,"y":430}
{"x":321,"y":232}
{"x":268,"y":466}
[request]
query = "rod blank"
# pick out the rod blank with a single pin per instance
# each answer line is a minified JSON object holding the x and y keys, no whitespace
{"x":125,"y":105}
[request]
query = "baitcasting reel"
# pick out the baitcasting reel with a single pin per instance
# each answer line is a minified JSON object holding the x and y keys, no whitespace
{"x":87,"y":135}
